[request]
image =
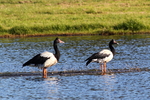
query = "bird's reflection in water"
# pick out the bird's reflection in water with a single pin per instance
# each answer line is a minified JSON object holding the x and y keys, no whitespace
{"x":108,"y":86}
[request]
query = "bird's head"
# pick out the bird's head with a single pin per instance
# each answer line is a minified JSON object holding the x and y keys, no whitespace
{"x":113,"y":42}
{"x":57,"y":40}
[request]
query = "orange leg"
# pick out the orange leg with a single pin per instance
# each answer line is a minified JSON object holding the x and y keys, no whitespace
{"x":104,"y":68}
{"x":44,"y":72}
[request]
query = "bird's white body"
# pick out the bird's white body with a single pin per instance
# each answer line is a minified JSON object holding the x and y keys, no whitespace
{"x":51,"y":61}
{"x":106,"y":59}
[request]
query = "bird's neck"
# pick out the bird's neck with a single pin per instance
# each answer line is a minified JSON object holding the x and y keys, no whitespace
{"x":112,"y":49}
{"x":57,"y":53}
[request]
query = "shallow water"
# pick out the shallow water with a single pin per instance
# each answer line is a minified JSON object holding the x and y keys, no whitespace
{"x":133,"y":51}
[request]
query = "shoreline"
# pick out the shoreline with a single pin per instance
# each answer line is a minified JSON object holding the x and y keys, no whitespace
{"x":70,"y":34}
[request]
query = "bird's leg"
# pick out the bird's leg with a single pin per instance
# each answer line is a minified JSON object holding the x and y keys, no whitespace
{"x":104,"y":68}
{"x":101,"y":66}
{"x":44,"y":72}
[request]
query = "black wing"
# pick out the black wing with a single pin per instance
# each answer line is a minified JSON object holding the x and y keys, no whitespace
{"x":38,"y":59}
{"x":96,"y":56}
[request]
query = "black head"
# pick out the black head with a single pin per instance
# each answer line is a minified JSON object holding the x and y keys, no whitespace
{"x":113,"y":42}
{"x":57,"y":40}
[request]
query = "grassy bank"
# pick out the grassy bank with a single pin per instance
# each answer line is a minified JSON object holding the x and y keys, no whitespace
{"x":37,"y":17}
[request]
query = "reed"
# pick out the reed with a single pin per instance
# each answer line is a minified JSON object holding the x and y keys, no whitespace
{"x":23,"y":17}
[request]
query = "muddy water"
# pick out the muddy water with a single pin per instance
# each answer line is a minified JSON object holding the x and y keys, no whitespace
{"x":132,"y":52}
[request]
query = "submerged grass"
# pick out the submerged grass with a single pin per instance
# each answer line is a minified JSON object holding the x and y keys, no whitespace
{"x":73,"y":72}
{"x":23,"y":17}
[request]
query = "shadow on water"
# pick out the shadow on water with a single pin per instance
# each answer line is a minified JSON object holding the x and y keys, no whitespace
{"x":71,"y":73}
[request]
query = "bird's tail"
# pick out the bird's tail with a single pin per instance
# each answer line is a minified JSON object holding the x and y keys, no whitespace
{"x":26,"y":63}
{"x":88,"y":62}
{"x":23,"y":65}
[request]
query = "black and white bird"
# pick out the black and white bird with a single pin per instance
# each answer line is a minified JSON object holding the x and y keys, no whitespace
{"x":45,"y":59}
{"x":103,"y":56}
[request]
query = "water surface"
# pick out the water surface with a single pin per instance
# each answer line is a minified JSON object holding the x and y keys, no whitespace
{"x":133,"y":51}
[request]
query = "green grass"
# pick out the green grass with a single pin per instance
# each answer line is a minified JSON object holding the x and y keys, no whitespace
{"x":33,"y":17}
{"x":130,"y":24}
